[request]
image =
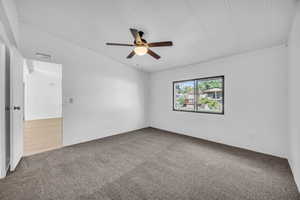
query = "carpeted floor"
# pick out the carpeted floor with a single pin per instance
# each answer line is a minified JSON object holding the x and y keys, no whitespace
{"x":150,"y":164}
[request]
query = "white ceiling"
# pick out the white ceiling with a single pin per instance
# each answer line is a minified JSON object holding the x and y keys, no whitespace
{"x":200,"y":29}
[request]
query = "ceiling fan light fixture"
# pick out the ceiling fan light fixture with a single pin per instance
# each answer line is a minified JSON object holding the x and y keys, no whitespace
{"x":141,"y":46}
{"x":140,"y":50}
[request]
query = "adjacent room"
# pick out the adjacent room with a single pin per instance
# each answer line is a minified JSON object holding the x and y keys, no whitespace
{"x":131,"y":100}
{"x":42,"y":106}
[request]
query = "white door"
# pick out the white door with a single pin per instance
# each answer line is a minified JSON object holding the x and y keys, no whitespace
{"x":17,"y":108}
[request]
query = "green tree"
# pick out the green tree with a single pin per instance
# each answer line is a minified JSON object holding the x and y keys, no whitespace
{"x":205,"y":85}
{"x":188,"y":90}
{"x":212,"y":104}
{"x":181,"y":100}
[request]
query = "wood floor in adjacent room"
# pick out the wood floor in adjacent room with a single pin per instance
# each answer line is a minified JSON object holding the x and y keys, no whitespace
{"x":42,"y":135}
{"x":150,"y":164}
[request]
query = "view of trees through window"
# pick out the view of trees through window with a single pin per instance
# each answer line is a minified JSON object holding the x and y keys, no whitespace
{"x":199,"y":95}
{"x":184,"y":95}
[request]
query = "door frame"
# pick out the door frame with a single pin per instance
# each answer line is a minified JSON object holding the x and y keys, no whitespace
{"x":3,"y":168}
{"x":2,"y":111}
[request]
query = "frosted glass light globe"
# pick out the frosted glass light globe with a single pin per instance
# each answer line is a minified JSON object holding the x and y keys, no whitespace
{"x":140,"y":50}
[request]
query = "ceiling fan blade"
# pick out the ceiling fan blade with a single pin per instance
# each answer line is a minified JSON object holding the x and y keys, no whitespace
{"x":131,"y":55}
{"x":136,"y":35}
{"x":160,"y":44}
{"x":153,"y":54}
{"x":134,"y":32}
{"x":119,"y":44}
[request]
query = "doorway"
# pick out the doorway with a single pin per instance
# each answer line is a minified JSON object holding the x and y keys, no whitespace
{"x":43,"y":106}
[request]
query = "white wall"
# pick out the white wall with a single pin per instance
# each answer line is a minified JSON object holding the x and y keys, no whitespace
{"x":43,"y":90}
{"x":294,"y":96}
{"x":255,"y":102}
{"x":108,"y":97}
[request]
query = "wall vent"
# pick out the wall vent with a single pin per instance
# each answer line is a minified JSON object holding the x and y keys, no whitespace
{"x":43,"y":56}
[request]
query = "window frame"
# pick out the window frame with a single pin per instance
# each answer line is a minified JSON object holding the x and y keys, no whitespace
{"x":195,"y":80}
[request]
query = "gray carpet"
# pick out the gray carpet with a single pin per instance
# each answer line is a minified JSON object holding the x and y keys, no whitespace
{"x":150,"y":164}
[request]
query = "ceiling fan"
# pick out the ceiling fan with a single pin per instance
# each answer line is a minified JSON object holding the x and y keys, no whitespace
{"x":141,"y":47}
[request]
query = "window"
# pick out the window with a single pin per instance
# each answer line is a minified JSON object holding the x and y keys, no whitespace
{"x":205,"y":95}
{"x":184,"y":95}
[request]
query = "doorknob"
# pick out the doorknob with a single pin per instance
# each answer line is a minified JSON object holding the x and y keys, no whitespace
{"x":17,"y":108}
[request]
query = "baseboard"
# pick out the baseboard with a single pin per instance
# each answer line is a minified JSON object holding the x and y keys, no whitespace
{"x":297,"y":182}
{"x":98,"y":138}
{"x":86,"y":141}
{"x":220,"y":143}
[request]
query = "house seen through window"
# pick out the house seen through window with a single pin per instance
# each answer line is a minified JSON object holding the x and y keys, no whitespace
{"x":199,"y":95}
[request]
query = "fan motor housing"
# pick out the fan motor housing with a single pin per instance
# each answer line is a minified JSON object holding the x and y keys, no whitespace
{"x":143,"y":40}
{"x":141,"y":33}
